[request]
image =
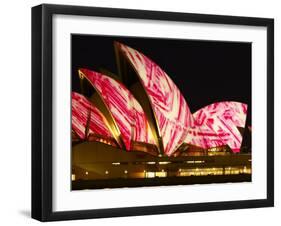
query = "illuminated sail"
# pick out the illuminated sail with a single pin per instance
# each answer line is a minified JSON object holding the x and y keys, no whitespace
{"x":218,"y":124}
{"x":124,"y":108}
{"x":171,"y":111}
{"x":85,"y":113}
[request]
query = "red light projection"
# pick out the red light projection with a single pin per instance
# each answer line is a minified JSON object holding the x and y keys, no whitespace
{"x":171,"y":111}
{"x":125,"y":109}
{"x":204,"y":137}
{"x":83,"y":113}
{"x":216,"y":125}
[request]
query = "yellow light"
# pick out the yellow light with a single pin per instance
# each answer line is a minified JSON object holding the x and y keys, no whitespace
{"x":106,"y":172}
{"x":116,"y":163}
{"x":161,"y":174}
{"x":125,"y":171}
{"x":73,"y":177}
{"x":164,"y":163}
{"x":86,"y":172}
{"x":150,"y":163}
{"x":179,"y":170}
{"x":81,"y":75}
{"x":150,"y":174}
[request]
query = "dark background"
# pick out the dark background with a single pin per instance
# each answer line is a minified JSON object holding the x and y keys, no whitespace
{"x":204,"y":71}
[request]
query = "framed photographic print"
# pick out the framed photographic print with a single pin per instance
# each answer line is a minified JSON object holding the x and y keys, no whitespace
{"x":147,"y":112}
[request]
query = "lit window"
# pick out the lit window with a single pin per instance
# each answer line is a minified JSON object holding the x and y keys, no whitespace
{"x":163,"y":163}
{"x":150,"y":174}
{"x":161,"y":174}
{"x":116,"y":163}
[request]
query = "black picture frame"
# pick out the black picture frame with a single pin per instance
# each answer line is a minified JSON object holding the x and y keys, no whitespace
{"x":42,"y":107}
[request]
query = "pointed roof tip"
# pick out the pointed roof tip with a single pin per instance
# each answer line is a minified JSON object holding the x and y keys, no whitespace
{"x":81,"y":73}
{"x":80,"y":70}
{"x":118,"y":44}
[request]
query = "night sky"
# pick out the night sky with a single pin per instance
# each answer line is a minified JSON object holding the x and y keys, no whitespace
{"x":204,"y":71}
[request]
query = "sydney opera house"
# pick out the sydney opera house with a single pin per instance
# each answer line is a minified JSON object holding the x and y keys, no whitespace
{"x":139,"y":131}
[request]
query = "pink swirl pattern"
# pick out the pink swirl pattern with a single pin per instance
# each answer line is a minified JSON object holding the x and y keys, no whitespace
{"x":125,"y":109}
{"x":82,"y":112}
{"x":172,"y":113}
